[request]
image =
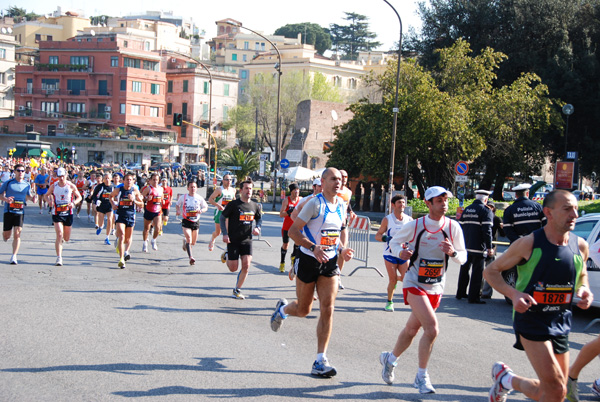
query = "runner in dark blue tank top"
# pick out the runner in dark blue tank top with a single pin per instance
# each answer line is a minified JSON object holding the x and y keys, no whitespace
{"x":124,"y":199}
{"x":551,"y":264}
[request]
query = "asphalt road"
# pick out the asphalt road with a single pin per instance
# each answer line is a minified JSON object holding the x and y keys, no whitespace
{"x":161,"y":330}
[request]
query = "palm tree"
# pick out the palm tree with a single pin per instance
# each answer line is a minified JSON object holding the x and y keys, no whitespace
{"x":244,"y":160}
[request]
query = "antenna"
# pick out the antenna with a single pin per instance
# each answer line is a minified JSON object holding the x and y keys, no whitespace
{"x":334,"y":115}
{"x":10,"y":30}
{"x":92,"y":32}
{"x":4,"y":31}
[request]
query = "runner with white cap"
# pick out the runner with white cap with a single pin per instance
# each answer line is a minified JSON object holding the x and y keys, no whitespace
{"x":428,"y":243}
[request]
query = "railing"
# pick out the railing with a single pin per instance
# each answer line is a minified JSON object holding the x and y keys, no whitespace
{"x":60,"y":92}
{"x":84,"y":68}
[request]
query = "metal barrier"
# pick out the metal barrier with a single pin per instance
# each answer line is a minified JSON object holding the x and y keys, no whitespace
{"x":359,"y":230}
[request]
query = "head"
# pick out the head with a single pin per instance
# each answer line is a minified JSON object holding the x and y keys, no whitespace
{"x":154,"y":179}
{"x":482,"y":195}
{"x":491,"y":205}
{"x":106,"y":178}
{"x":61,"y":173}
{"x":164,"y":182}
{"x":317,"y":186}
{"x":331,"y":181}
{"x":192,"y":186}
{"x":128,"y":180}
{"x":344,"y":177}
{"x":227,"y":181}
{"x":294,"y":190}
{"x":436,"y":199}
{"x":19,"y":171}
{"x":398,"y":203}
{"x":116,"y":178}
{"x":246,"y":189}
{"x":560,"y":208}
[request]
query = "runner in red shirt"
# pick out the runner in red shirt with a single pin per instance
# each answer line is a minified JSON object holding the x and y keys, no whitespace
{"x":166,"y":203}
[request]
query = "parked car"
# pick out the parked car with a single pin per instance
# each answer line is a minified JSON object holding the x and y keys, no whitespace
{"x":133,"y":166}
{"x":588,"y":227}
{"x":92,"y":164}
{"x":195,"y":167}
{"x":508,"y":195}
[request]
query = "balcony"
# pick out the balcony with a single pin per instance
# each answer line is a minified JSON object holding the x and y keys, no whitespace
{"x":76,"y":68}
{"x":60,"y":92}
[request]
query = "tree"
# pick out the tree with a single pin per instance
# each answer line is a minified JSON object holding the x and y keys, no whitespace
{"x":352,"y":38}
{"x":312,"y":34}
{"x":20,"y":14}
{"x":244,"y":160}
{"x":446,"y":114}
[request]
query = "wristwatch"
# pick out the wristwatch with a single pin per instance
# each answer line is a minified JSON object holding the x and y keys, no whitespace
{"x":312,"y":248}
{"x":454,"y":254}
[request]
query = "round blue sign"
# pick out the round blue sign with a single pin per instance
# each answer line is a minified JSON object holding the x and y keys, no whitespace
{"x":284,"y":163}
{"x":461,"y":168}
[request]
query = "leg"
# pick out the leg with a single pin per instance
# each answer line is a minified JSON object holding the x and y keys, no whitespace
{"x":327,"y":291}
{"x":121,"y":239}
{"x":463,"y":278}
{"x":551,"y":370}
{"x":66,"y":233}
{"x":157,"y":221}
{"x":303,"y":305}
{"x":187,"y":233}
{"x":478,"y":263}
{"x":392,"y":271}
{"x":127,"y":238}
{"x":246,"y":260}
{"x":194,"y":237}
{"x":109,"y":222}
{"x":146,"y":230}
{"x":58,"y":228}
{"x":589,"y":351}
{"x":6,"y":234}
{"x":213,"y":237}
{"x":16,"y":239}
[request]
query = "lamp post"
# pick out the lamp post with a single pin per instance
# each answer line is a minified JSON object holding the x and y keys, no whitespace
{"x":278,"y":67}
{"x":567,"y":110}
{"x":302,"y":131}
{"x":395,"y":115}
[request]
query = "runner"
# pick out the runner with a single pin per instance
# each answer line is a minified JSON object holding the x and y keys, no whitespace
{"x":428,"y":243}
{"x":62,"y":196}
{"x":153,"y":195}
{"x":80,"y":183}
{"x":166,"y":203}
{"x":124,"y":199}
{"x":322,"y":219}
{"x":287,"y":208}
{"x":390,"y":227}
{"x":346,"y":194}
{"x":41,"y":185}
{"x":89,"y":188}
{"x":220,"y":198}
{"x":102,"y":193}
{"x":236,"y":226}
{"x":551,"y":268}
{"x":190,"y":206}
{"x":117,"y":181}
{"x":15,"y":193}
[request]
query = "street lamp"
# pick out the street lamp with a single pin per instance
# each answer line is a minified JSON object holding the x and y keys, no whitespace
{"x":278,"y":67}
{"x":302,"y":131}
{"x":395,"y":115}
{"x":567,"y":110}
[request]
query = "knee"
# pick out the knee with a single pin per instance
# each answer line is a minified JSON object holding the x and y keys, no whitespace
{"x":303,"y":311}
{"x":554,"y":391}
{"x":431,"y":331}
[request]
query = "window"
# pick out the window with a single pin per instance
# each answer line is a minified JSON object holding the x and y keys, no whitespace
{"x":114,"y":61}
{"x":225,"y":112}
{"x":246,"y":45}
{"x":124,"y":42}
{"x":225,"y":89}
{"x":75,"y":108}
{"x":183,"y":131}
{"x":153,"y":111}
{"x":123,"y":85}
{"x":244,"y":74}
{"x":49,"y":37}
{"x":2,"y":78}
{"x":155,"y":89}
{"x":244,"y":57}
{"x":337,"y":81}
{"x":28,"y":127}
{"x":99,"y":39}
{"x":122,"y":108}
{"x":52,"y":60}
{"x":81,"y":60}
{"x":38,"y":38}
{"x":352,"y":83}
{"x":205,"y":111}
{"x":136,"y":86}
{"x":234,"y":57}
{"x":185,"y":85}
{"x":147,"y":46}
{"x":256,"y":45}
{"x":170,"y":86}
{"x":206,"y":84}
{"x":135,"y":110}
{"x":50,"y":108}
{"x":75,"y":86}
{"x":262,"y":46}
{"x":169,"y":109}
{"x":129,"y":62}
{"x":184,"y":111}
{"x":50,"y":83}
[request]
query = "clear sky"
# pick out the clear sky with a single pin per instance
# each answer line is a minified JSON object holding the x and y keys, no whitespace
{"x":260,"y":15}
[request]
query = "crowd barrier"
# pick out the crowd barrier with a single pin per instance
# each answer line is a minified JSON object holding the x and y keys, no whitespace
{"x":359,"y":230}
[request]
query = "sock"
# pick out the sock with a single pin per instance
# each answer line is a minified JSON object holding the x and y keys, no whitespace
{"x":282,"y":312}
{"x":507,"y":381}
{"x":187,"y":247}
{"x":321,"y":357}
{"x":392,"y":359}
{"x":421,"y":372}
{"x":283,"y":254}
{"x":573,"y":379}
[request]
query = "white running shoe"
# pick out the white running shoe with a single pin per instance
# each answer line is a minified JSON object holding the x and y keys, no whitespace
{"x":145,"y":246}
{"x":498,"y":393}
{"x":423,"y":384}
{"x":13,"y":260}
{"x":387,"y":372}
{"x":59,"y":262}
{"x":154,"y":246}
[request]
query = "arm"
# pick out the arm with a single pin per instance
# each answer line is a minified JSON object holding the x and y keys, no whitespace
{"x":138,"y":199}
{"x":518,"y":252}
{"x":486,"y":230}
{"x":299,"y":207}
{"x":509,"y":228}
{"x":76,"y":195}
{"x":113,"y":198}
{"x":381,"y":232}
{"x":213,"y":196}
{"x":203,"y":205}
{"x":224,"y":222}
{"x":48,"y":198}
{"x":283,"y":212}
{"x":582,"y":286}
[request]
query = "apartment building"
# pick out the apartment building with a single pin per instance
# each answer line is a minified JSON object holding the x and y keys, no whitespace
{"x":7,"y":73}
{"x":103,"y":87}
{"x":188,"y":92}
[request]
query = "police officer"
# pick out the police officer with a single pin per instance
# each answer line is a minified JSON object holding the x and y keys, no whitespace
{"x":523,"y":216}
{"x":476,"y":222}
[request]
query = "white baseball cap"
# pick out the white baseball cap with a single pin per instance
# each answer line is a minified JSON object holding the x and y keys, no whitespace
{"x":61,"y":172}
{"x":317,"y":181}
{"x":436,"y":191}
{"x":521,"y":187}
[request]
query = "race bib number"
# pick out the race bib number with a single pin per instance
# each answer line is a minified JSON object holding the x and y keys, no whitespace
{"x":62,"y":209}
{"x":16,"y":206}
{"x":126,"y":203}
{"x":157,"y":200}
{"x":225,"y":202}
{"x":329,"y":239}
{"x":247,"y":217}
{"x":191,"y":214}
{"x":430,"y":271}
{"x":552,"y":298}
{"x":106,"y":196}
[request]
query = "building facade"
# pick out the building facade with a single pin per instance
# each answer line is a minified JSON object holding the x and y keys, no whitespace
{"x":7,"y":74}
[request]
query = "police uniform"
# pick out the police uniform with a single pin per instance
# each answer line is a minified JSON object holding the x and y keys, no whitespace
{"x":523,"y":216}
{"x":476,"y":221}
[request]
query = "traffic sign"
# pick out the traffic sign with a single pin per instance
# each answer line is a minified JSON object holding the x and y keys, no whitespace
{"x":284,"y":163}
{"x":461,"y":168}
{"x":461,"y":179}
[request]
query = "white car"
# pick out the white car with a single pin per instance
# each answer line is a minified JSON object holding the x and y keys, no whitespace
{"x":588,"y":227}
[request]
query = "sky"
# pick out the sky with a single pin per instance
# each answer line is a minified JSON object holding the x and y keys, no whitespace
{"x":260,"y":15}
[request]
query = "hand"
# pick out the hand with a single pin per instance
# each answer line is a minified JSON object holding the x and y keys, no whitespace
{"x":446,"y":247}
{"x":490,"y":252}
{"x":220,"y":207}
{"x":586,"y":297}
{"x":226,"y":239}
{"x":347,"y":254}
{"x":256,"y":231}
{"x":320,"y":255}
{"x":522,"y":302}
{"x":406,"y":254}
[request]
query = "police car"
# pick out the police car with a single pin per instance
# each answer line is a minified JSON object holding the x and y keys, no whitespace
{"x":588,"y":227}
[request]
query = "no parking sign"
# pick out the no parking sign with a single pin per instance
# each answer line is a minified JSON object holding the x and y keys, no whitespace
{"x":461,"y":168}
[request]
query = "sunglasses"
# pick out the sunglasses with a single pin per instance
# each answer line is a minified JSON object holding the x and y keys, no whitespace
{"x":20,"y":170}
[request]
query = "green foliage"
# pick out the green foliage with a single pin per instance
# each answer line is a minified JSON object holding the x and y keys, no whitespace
{"x":354,"y":37}
{"x":312,"y":34}
{"x":21,"y":14}
{"x":448,"y":113}
{"x":236,"y":157}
